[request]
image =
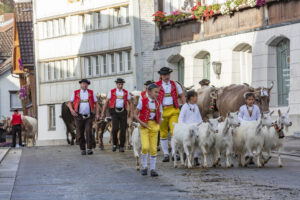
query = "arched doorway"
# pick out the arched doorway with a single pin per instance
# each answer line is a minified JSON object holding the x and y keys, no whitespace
{"x":283,"y":71}
{"x":242,"y":64}
{"x":177,"y":64}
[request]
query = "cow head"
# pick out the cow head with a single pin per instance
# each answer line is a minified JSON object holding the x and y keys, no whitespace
{"x":263,"y":96}
{"x":7,"y":125}
{"x":213,"y":124}
{"x":233,"y":119}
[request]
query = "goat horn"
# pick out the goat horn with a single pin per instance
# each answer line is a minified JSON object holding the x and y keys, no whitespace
{"x":272,"y":84}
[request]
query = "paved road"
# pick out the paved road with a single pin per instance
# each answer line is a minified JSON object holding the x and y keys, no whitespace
{"x":60,"y":173}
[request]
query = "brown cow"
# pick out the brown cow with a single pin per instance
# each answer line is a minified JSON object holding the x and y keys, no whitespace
{"x":231,"y":98}
{"x":214,"y":102}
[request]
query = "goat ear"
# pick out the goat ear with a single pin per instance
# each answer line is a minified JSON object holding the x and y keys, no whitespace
{"x":279,"y":112}
{"x":192,"y":133}
{"x":272,"y":113}
{"x":199,"y":124}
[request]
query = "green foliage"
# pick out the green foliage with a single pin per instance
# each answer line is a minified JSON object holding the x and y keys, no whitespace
{"x":6,"y":6}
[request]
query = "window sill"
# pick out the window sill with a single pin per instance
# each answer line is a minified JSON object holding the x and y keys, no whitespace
{"x":52,"y":129}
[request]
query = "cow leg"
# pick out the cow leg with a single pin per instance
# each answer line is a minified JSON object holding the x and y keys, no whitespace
{"x":67,"y":134}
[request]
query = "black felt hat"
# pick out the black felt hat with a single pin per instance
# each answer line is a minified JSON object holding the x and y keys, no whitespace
{"x":148,"y":82}
{"x":85,"y":81}
{"x":165,"y":71}
{"x":120,"y":80}
{"x":204,"y":82}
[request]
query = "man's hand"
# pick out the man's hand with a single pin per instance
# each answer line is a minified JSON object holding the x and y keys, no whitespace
{"x":74,"y":113}
{"x":97,"y":117}
{"x":144,"y":124}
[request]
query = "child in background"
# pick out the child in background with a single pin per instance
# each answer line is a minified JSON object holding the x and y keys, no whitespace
{"x":190,"y":113}
{"x":148,"y":114}
{"x":249,"y":111}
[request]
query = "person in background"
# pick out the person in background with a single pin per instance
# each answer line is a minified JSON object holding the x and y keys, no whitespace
{"x":82,"y":106}
{"x":118,"y":99}
{"x":148,"y":114}
{"x":16,"y":123}
{"x":168,"y":97}
{"x":190,"y":113}
{"x":204,"y":83}
{"x":249,"y":111}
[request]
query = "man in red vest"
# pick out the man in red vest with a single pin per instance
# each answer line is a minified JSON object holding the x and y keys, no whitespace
{"x":16,"y":122}
{"x":168,"y":97}
{"x":82,"y":106}
{"x":117,"y":99}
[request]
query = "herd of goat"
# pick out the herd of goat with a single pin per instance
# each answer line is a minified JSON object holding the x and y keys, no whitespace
{"x":226,"y":138}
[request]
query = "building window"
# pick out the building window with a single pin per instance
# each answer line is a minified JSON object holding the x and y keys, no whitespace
{"x":181,"y":71}
{"x":48,"y":71}
{"x":120,"y":62}
{"x":127,"y":15}
{"x":112,"y":62}
{"x":45,"y":30}
{"x":129,"y":60}
{"x":53,"y":68}
{"x":52,"y":122}
{"x":62,"y":28}
{"x":55,"y":28}
{"x":99,"y":19}
{"x":15,"y":102}
{"x":206,"y":66}
{"x":88,"y":66}
{"x":81,"y":23}
{"x":97,"y":65}
{"x":50,"y":29}
{"x":104,"y":64}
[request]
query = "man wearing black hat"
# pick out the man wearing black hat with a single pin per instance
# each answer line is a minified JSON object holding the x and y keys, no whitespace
{"x":168,"y":97}
{"x":82,"y":106}
{"x":204,"y":82}
{"x":144,"y":93}
{"x":118,"y":98}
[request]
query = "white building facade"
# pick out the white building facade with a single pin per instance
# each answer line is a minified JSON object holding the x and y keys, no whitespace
{"x":85,"y":39}
{"x":256,"y":56}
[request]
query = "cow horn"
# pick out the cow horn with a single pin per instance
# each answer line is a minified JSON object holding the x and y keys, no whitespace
{"x":189,"y":88}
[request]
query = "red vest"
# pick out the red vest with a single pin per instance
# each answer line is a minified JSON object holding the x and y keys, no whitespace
{"x":143,"y":94}
{"x":113,"y":98}
{"x":174,"y":93}
{"x":145,"y":112}
{"x":16,"y":119}
{"x":76,"y":101}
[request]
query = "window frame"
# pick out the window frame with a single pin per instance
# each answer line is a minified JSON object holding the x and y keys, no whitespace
{"x":14,"y":92}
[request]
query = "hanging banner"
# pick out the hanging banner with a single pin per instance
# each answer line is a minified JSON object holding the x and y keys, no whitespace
{"x":17,"y":61}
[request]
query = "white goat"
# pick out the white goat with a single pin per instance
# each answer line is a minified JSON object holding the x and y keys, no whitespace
{"x":248,"y":138}
{"x":184,"y":140}
{"x":223,"y":139}
{"x":274,"y":136}
{"x":206,"y":138}
{"x":137,"y":144}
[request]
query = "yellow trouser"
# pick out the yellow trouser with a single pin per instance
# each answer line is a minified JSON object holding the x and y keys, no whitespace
{"x":170,"y":116}
{"x":149,"y":138}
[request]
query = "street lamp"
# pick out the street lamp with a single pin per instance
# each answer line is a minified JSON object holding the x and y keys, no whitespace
{"x":217,"y":68}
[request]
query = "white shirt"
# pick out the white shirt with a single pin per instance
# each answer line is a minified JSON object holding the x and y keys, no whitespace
{"x":167,"y":101}
{"x":151,"y":104}
{"x":245,"y":116}
{"x":84,"y":108}
{"x":189,"y":114}
{"x":119,"y":102}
